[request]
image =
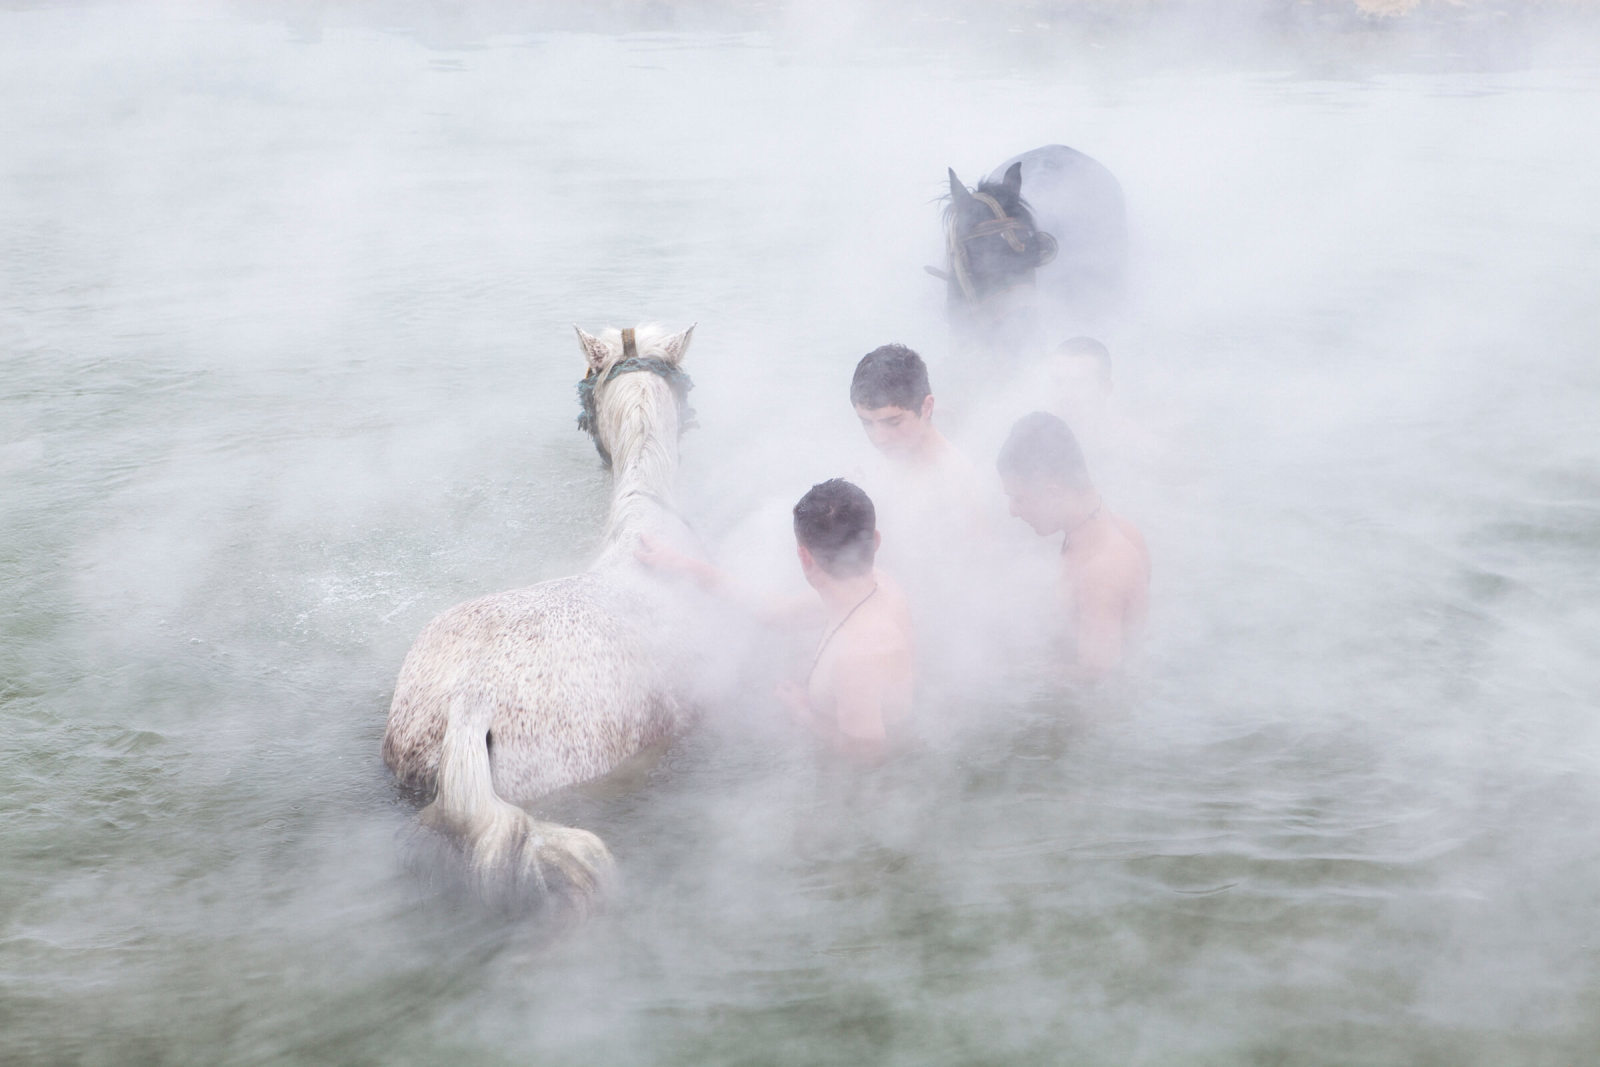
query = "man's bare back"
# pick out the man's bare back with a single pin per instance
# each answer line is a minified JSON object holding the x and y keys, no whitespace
{"x":859,"y":691}
{"x":1105,"y":564}
{"x":1105,"y":587}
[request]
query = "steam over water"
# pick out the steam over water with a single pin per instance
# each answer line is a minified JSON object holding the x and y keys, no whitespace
{"x":286,"y":368}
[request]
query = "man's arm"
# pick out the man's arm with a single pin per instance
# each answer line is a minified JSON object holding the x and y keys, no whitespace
{"x":856,"y":728}
{"x":1099,"y":625}
{"x":773,"y":610}
{"x":860,"y":685}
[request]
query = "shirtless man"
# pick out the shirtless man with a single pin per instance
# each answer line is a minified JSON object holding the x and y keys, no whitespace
{"x":857,"y":694}
{"x":1077,"y":385}
{"x":945,"y":520}
{"x":927,"y":489}
{"x":1105,"y":566}
{"x":894,"y":402}
{"x":858,"y":691}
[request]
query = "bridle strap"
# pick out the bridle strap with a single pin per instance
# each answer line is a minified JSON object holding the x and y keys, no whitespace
{"x":1002,"y":224}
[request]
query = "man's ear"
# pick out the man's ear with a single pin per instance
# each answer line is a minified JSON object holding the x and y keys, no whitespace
{"x":877,"y":540}
{"x":807,"y":561}
{"x":927,"y":407}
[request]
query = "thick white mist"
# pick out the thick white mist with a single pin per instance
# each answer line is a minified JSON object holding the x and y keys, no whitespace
{"x":285,"y":340}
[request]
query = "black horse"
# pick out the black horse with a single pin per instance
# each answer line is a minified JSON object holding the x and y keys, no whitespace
{"x":1017,"y":268}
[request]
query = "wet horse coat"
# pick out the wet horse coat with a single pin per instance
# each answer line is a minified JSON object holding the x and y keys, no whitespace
{"x":507,"y":698}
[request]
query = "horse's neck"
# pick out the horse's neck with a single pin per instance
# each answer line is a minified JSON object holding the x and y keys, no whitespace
{"x":643,"y":494}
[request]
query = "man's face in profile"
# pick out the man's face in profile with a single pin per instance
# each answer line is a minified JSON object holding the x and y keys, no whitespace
{"x":1036,"y":502}
{"x":895,"y":431}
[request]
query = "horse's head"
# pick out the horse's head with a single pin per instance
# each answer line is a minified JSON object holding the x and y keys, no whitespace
{"x":621,"y":407}
{"x":991,"y":243}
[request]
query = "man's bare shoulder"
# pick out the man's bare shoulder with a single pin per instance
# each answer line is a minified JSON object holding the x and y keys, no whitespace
{"x":1134,"y":538}
{"x":1119,"y":562}
{"x":893,"y":606}
{"x":955,"y":463}
{"x":961,"y":477}
{"x":883,"y":635}
{"x":874,"y":674}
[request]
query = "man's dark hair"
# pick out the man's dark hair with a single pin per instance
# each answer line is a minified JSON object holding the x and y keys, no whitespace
{"x":1088,"y":346}
{"x":1041,"y":447}
{"x":836,"y":521}
{"x":890,"y":376}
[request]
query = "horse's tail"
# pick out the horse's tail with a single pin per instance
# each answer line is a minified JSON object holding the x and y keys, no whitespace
{"x":510,"y":856}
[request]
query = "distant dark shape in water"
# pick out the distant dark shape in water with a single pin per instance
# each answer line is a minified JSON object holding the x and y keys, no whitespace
{"x":1040,"y":246}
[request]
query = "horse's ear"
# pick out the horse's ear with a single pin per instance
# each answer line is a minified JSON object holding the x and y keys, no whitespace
{"x":594,"y":349}
{"x":673,"y":348}
{"x":958,"y":191}
{"x":1012,"y":182}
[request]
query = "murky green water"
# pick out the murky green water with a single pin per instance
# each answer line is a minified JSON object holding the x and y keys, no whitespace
{"x":287,"y":369}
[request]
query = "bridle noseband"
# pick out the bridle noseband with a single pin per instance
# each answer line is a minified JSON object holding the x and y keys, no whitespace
{"x":679,"y":382}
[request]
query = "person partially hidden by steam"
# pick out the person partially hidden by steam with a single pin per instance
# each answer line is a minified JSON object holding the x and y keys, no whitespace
{"x":1077,"y":385}
{"x":894,"y":402}
{"x":1105,"y":566}
{"x":943,"y":518}
{"x":856,"y":696}
{"x":858,"y":690}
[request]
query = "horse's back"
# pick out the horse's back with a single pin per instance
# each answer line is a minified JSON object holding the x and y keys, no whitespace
{"x":577,"y":686}
{"x":1076,"y":200}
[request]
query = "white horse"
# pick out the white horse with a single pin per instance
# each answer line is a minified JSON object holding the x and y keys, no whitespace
{"x":508,"y":698}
